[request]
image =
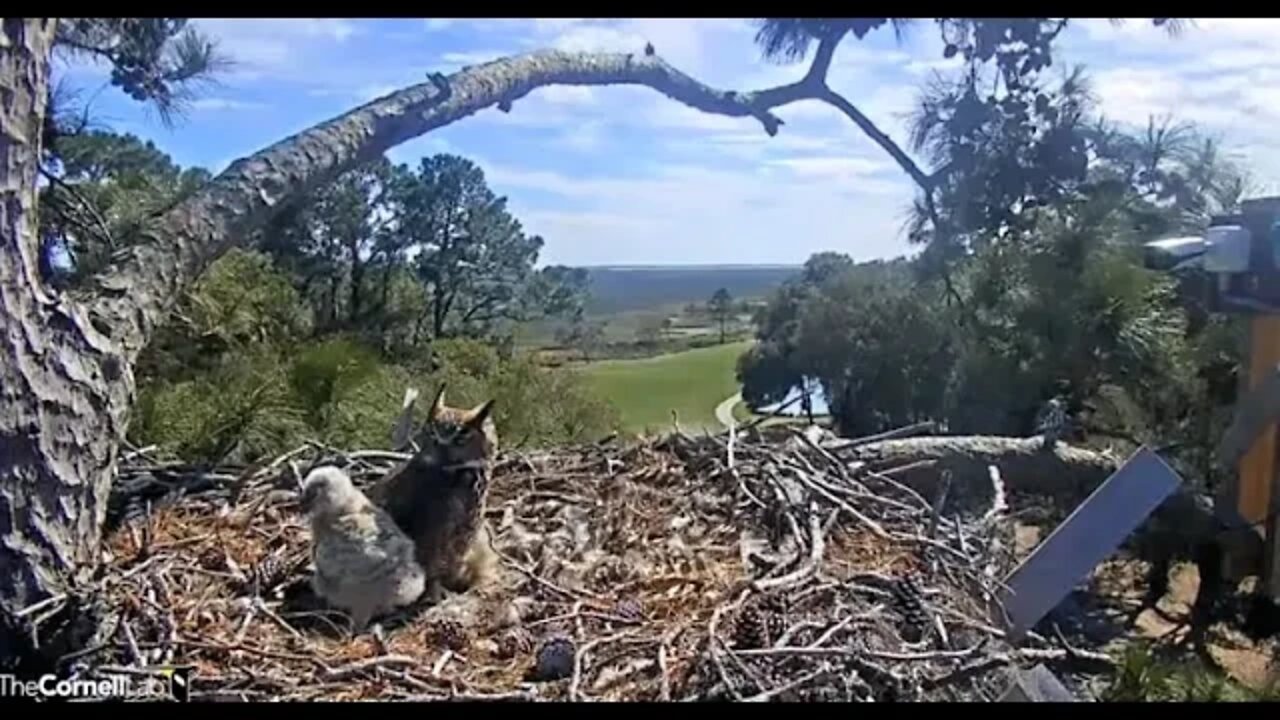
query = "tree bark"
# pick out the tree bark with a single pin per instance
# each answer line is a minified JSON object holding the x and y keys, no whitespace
{"x":66,"y":367}
{"x":1025,"y":468}
{"x":357,"y":282}
{"x":64,"y":385}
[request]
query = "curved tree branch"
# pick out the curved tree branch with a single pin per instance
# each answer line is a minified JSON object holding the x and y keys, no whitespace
{"x":133,"y":295}
{"x":838,"y":101}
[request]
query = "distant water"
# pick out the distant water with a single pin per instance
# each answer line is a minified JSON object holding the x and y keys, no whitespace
{"x":796,"y":409}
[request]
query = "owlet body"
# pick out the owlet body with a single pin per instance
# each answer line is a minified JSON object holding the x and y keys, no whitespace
{"x":438,"y":497}
{"x":364,"y":562}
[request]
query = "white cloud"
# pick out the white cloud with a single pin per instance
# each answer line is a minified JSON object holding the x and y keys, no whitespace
{"x":215,"y":103}
{"x":567,"y":95}
{"x":268,"y":47}
{"x":808,"y":109}
{"x":472,"y":57}
{"x":688,"y":213}
{"x":598,"y":38}
{"x":587,"y":137}
{"x":927,"y":67}
{"x":373,"y":92}
{"x":1220,"y":74}
{"x":681,"y":42}
{"x":832,"y":167}
{"x":665,"y":114}
{"x":326,"y":27}
{"x":555,"y":25}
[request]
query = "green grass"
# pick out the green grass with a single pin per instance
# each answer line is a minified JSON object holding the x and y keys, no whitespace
{"x":692,"y":383}
{"x":1144,"y":677}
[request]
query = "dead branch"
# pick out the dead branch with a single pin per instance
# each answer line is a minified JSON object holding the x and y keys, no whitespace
{"x":1026,"y":468}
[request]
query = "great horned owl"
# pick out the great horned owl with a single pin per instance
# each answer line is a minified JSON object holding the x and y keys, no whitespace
{"x":441,"y":413}
{"x":364,"y":562}
{"x":438,"y":497}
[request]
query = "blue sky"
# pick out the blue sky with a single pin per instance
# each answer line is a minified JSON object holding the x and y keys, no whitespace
{"x":623,"y":175}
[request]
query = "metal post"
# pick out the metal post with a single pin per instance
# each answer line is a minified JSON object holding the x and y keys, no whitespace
{"x":1258,"y":491}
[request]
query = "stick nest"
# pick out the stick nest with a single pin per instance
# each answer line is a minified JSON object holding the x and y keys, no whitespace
{"x":677,"y":568}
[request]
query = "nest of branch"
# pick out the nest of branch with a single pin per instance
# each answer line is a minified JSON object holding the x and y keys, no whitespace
{"x":680,"y":568}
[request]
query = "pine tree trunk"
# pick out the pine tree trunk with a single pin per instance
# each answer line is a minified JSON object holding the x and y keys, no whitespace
{"x":64,"y":386}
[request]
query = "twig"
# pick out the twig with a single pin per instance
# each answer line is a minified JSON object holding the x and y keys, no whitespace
{"x":817,"y":545}
{"x":347,"y":671}
{"x":713,"y":645}
{"x":927,"y":656}
{"x":443,"y":660}
{"x":939,"y":502}
{"x":580,"y":655}
{"x":132,"y":643}
{"x":919,"y":428}
{"x":770,"y":694}
{"x":664,"y":688}
{"x":262,"y":606}
{"x":37,"y":607}
{"x":249,"y":616}
{"x":870,"y":524}
{"x":842,"y":625}
{"x":543,"y":581}
{"x":999,"y":505}
{"x":733,"y":439}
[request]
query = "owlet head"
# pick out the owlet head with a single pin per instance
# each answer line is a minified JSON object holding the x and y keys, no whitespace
{"x":328,"y":490}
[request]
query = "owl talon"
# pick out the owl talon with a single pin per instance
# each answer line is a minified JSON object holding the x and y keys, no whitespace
{"x":435,"y":593}
{"x":380,"y":639}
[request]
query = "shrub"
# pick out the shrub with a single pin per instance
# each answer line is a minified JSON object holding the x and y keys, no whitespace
{"x":240,"y":411}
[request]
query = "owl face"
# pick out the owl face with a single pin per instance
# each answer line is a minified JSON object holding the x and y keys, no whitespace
{"x":447,"y":442}
{"x":451,"y":436}
{"x":326,"y":490}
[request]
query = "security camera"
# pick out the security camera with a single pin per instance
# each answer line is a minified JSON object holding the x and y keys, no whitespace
{"x":1239,"y":254}
{"x":1173,"y":254}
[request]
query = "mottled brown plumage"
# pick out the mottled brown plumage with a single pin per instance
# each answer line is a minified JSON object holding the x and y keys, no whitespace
{"x":440,"y":413}
{"x":364,"y":563}
{"x":438,"y":497}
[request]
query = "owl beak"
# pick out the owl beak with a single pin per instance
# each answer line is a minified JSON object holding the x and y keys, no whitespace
{"x":306,"y":501}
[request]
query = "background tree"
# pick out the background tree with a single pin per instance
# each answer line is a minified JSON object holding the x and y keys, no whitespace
{"x":652,"y":329}
{"x":720,"y":307}
{"x":582,"y":334}
{"x":102,"y":190}
{"x":472,"y":256}
{"x":330,"y":240}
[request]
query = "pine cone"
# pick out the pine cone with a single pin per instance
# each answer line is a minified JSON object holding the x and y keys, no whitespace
{"x":555,"y":659}
{"x":775,"y":603}
{"x":212,"y":559}
{"x":628,"y":609}
{"x":267,"y":573}
{"x":910,"y":600}
{"x":449,"y":633}
{"x":513,"y":643}
{"x":751,"y":629}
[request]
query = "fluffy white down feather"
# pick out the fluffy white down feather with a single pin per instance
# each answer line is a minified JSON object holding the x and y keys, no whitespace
{"x":364,"y":563}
